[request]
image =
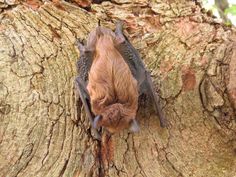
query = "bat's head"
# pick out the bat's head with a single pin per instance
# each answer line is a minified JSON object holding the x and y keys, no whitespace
{"x":105,"y":43}
{"x":96,"y":34}
{"x":105,"y":37}
{"x":114,"y":119}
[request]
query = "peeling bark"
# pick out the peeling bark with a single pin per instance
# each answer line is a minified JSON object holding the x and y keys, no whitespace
{"x":191,"y":57}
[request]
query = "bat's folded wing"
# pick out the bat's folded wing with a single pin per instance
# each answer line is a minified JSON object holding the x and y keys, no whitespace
{"x":83,"y":66}
{"x":137,"y":67}
{"x":84,"y":97}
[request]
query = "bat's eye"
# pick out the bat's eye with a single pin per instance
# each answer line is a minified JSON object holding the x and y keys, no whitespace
{"x":96,"y":120}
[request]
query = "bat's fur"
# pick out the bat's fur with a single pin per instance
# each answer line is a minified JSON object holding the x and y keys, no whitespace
{"x":112,"y":88}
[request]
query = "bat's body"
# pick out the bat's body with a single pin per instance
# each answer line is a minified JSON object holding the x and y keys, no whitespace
{"x":112,"y":88}
{"x":111,"y":78}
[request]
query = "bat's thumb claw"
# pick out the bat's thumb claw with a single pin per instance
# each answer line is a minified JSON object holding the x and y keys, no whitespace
{"x":80,"y":45}
{"x":96,"y":120}
{"x":120,"y":24}
{"x":134,"y":127}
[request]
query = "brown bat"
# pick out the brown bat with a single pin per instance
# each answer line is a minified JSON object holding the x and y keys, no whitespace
{"x":111,"y":79}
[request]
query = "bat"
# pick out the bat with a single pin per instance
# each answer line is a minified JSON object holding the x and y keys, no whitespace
{"x":113,"y":111}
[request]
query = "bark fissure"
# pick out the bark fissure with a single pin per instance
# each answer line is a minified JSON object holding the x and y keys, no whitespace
{"x":192,"y":59}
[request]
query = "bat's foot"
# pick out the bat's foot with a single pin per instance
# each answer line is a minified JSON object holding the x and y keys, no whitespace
{"x":96,"y":134}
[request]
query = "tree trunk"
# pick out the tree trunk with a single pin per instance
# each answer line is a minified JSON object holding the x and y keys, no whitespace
{"x":192,"y":60}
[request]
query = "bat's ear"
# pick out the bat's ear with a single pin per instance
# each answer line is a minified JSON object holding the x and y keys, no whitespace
{"x":96,"y":121}
{"x":134,"y":127}
{"x":120,"y":38}
{"x":92,"y":39}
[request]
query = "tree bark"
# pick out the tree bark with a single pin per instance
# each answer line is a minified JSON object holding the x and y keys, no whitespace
{"x":192,"y":60}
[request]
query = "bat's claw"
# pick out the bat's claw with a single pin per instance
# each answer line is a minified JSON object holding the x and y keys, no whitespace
{"x":119,"y":27}
{"x":80,"y":45}
{"x":96,"y":120}
{"x":96,"y":135}
{"x":164,"y":123}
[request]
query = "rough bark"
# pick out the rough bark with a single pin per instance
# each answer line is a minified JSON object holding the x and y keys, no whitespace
{"x":193,"y":63}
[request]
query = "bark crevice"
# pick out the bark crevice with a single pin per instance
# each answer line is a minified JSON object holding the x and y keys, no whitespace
{"x":192,"y":59}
